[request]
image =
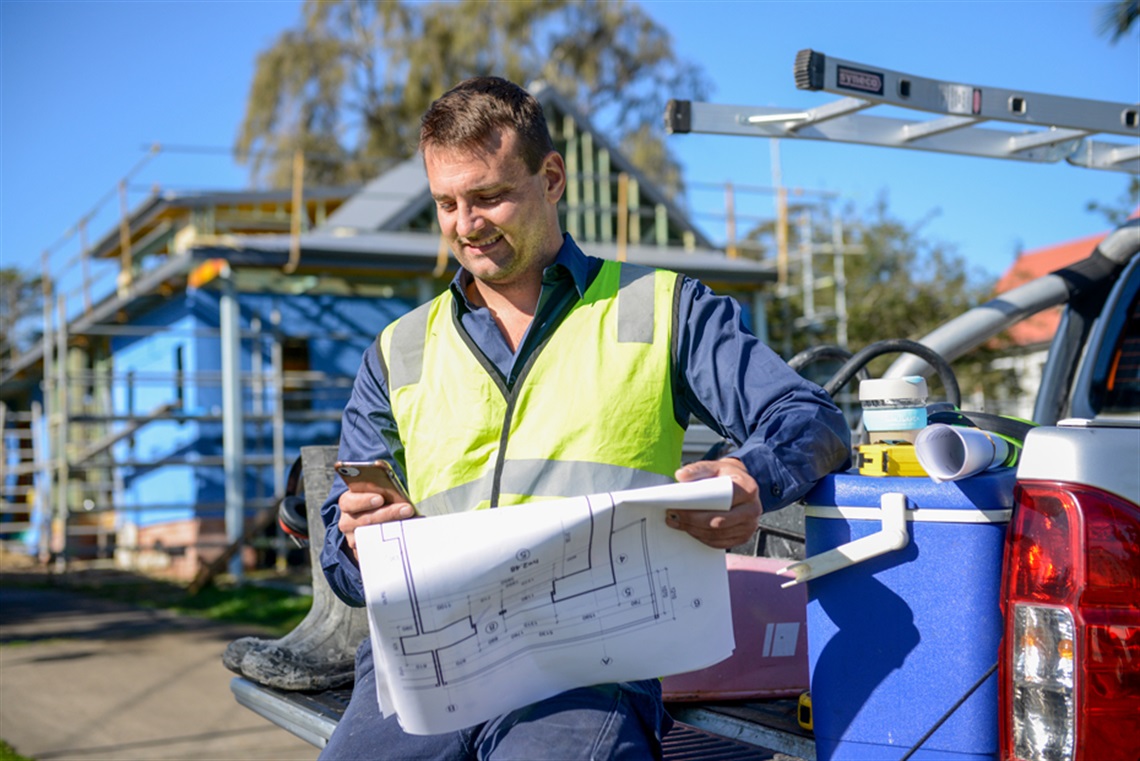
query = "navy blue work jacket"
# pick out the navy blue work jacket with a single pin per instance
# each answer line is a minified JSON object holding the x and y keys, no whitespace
{"x":788,"y":432}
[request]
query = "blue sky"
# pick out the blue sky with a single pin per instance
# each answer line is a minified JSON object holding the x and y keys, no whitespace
{"x":85,"y":86}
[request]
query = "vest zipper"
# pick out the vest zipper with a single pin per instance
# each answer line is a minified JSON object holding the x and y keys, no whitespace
{"x":508,"y":392}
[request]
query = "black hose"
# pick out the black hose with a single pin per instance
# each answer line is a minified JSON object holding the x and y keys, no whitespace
{"x":817,"y":353}
{"x":897,"y":345}
{"x":822,"y":354}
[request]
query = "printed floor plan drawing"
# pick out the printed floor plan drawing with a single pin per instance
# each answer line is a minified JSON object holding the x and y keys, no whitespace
{"x":596,"y":580}
{"x":573,"y":591}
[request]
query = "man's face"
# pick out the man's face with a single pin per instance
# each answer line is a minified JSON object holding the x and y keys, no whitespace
{"x":499,"y":219}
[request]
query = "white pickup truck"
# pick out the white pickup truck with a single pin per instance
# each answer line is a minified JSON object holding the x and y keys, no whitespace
{"x":1069,"y":667}
{"x":1066,"y":625}
{"x":1069,"y":660}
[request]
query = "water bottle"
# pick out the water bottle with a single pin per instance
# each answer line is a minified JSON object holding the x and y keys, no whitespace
{"x":894,"y":409}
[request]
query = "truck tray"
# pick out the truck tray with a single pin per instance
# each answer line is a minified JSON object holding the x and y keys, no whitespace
{"x":313,"y":716}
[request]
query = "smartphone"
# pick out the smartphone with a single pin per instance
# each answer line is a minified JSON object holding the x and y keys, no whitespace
{"x":376,"y":475}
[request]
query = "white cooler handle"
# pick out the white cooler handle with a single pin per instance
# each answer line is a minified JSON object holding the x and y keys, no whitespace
{"x":892,"y":536}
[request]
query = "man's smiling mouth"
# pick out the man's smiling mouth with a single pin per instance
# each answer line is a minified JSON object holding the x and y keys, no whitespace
{"x":483,"y":244}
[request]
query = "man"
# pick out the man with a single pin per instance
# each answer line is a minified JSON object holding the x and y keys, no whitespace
{"x":543,"y":373}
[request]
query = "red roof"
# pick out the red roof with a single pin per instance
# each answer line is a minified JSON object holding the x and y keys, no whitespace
{"x":1041,"y":327}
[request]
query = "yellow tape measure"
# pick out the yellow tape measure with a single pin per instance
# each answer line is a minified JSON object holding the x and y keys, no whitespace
{"x":888,"y":460}
{"x":803,"y":711}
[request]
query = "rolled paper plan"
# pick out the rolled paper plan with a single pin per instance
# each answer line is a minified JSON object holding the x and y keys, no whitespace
{"x":950,"y":452}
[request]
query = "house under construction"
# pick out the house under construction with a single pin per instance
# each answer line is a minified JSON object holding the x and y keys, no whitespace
{"x":157,"y":417}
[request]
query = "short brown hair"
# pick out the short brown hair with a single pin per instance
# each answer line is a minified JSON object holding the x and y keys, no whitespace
{"x":476,"y":109}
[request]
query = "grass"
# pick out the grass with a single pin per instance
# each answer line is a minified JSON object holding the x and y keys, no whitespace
{"x":8,"y":753}
{"x":273,"y":608}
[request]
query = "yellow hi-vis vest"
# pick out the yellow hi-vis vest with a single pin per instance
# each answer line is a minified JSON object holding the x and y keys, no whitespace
{"x":591,"y":412}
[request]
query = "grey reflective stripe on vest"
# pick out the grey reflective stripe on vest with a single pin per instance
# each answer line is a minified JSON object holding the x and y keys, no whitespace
{"x":547,"y":478}
{"x":409,"y":337}
{"x":457,"y":499}
{"x":635,"y":304}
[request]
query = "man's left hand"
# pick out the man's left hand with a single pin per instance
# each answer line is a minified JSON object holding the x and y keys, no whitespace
{"x":717,"y":528}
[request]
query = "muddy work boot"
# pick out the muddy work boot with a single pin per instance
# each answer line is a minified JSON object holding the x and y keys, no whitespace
{"x":319,"y":653}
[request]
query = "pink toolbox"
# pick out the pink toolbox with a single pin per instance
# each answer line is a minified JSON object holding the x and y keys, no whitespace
{"x":770,"y":626}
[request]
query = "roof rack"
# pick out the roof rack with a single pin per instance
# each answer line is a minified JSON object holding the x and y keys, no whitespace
{"x":1060,"y":127}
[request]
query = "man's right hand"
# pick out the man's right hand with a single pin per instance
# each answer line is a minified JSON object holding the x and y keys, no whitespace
{"x":366,"y":508}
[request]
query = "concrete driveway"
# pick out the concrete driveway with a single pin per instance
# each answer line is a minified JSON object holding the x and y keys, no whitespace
{"x":84,"y":678}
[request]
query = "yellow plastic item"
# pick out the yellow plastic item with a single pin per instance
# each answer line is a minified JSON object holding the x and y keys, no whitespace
{"x":803,"y":711}
{"x":888,"y":460}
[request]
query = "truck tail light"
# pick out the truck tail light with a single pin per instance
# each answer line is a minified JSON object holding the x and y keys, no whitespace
{"x":1070,"y":661}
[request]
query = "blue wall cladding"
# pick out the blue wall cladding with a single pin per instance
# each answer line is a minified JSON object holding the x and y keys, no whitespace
{"x":181,"y":366}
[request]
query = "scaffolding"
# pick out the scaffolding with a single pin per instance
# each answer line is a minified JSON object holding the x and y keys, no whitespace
{"x":65,"y":456}
{"x":63,"y":463}
{"x":803,"y":239}
{"x":68,"y":456}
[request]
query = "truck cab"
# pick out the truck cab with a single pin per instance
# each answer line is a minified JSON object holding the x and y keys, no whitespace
{"x":1070,"y":662}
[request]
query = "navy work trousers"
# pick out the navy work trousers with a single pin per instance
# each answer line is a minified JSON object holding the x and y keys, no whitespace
{"x":609,"y":721}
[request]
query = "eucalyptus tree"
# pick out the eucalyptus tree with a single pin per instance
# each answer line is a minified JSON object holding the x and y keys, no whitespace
{"x":21,"y":295}
{"x":1118,"y":17}
{"x":901,"y":282}
{"x":348,"y":84}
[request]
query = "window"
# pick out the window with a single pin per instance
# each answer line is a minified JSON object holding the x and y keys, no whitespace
{"x":295,"y":392}
{"x":1122,"y":383}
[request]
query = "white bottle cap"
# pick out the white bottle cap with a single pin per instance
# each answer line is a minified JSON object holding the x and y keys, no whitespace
{"x":894,"y":389}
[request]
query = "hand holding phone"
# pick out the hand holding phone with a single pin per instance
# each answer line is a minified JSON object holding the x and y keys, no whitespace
{"x":370,"y":483}
{"x":375,"y":476}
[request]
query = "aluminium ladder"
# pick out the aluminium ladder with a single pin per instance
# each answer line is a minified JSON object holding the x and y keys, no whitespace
{"x":1057,"y":127}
